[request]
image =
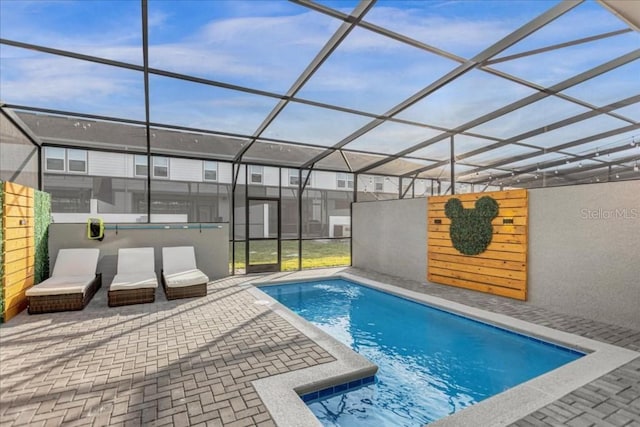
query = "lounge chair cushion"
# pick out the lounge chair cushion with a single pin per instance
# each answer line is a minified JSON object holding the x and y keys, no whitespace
{"x":127,"y":281}
{"x":178,"y":258}
{"x":135,"y":260}
{"x":185,"y":278}
{"x":59,"y":285}
{"x":76,"y":262}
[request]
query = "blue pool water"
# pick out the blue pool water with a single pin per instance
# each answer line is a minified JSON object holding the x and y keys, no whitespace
{"x":431,"y":363}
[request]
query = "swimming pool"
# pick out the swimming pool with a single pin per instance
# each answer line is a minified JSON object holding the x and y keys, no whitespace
{"x":431,"y":362}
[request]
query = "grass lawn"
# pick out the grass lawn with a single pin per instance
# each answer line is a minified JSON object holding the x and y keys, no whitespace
{"x":315,"y":254}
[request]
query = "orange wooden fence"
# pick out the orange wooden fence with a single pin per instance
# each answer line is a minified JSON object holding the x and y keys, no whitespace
{"x":19,"y":247}
{"x":502,"y":268}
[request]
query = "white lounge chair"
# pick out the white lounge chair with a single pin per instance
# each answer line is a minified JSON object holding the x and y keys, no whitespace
{"x":180,"y":276}
{"x":71,"y":286}
{"x":135,"y":281}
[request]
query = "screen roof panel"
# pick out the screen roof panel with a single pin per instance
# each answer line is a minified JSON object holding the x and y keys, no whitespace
{"x":313,"y":125}
{"x":549,"y":68}
{"x":391,"y":137}
{"x":279,"y":153}
{"x":184,"y":103}
{"x":631,"y":112}
{"x":333,"y":161}
{"x":106,"y":29}
{"x":400,"y":166}
{"x":472,"y":95}
{"x":84,"y":132}
{"x":576,"y":131}
{"x":463,"y":28}
{"x":49,"y":81}
{"x":610,"y":87}
{"x":372,"y":73}
{"x":533,"y":116}
{"x":195,"y":144}
{"x":569,"y":27}
{"x":498,"y":154}
{"x":236,"y":41}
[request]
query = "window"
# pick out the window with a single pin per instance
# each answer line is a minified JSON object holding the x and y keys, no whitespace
{"x":160,"y":167}
{"x":294,"y":177}
{"x":65,"y":160}
{"x":210,"y":171}
{"x":344,"y":180}
{"x":255,"y":174}
{"x":54,"y":159}
{"x":141,"y":168}
{"x":378,"y":183}
{"x":76,"y":160}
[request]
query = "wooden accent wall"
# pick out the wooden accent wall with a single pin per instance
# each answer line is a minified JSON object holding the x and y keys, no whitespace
{"x":502,"y":268}
{"x":18,"y":224}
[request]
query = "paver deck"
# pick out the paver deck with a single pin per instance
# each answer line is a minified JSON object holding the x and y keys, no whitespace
{"x":191,"y":362}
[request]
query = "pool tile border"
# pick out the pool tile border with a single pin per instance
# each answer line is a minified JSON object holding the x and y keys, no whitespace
{"x":337,"y":389}
{"x":281,"y":393}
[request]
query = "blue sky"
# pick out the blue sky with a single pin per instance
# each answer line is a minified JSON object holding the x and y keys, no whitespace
{"x":264,"y":45}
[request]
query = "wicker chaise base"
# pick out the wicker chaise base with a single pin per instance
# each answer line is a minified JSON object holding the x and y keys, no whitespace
{"x":199,"y":290}
{"x":63,"y":302}
{"x":131,"y":296}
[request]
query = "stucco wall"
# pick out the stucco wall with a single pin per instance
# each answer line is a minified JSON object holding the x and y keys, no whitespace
{"x":584,"y":247}
{"x":211,"y":246}
{"x":391,"y":237}
{"x":584,"y":251}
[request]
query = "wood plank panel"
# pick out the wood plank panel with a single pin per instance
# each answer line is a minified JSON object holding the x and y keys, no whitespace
{"x":19,"y":250}
{"x":17,"y":189}
{"x":18,"y":233}
{"x":18,"y":222}
{"x":500,"y":238}
{"x":480,"y":278}
{"x":18,"y":265}
{"x":19,"y":253}
{"x":497,"y":229}
{"x":11,"y":245}
{"x":502,"y":268}
{"x":497,"y":195}
{"x":16,"y":277}
{"x":482,"y":287}
{"x":22,"y":285}
{"x":493,"y":246}
{"x":499,"y":220}
{"x":14,"y":199}
{"x":482,"y":270}
{"x":508,"y":256}
{"x":483,"y":262}
{"x":19,"y":286}
{"x":19,"y":211}
{"x":507,"y":203}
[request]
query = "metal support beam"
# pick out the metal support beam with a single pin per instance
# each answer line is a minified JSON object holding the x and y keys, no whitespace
{"x":145,"y":62}
{"x":453,"y":166}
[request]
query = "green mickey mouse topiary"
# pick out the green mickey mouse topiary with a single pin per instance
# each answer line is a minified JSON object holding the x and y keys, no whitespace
{"x":471,"y":229}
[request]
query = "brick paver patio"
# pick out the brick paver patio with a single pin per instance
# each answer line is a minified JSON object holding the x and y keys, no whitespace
{"x":184,"y":362}
{"x":191,"y":362}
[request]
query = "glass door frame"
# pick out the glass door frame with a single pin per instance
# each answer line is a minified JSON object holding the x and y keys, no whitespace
{"x":262,"y":268}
